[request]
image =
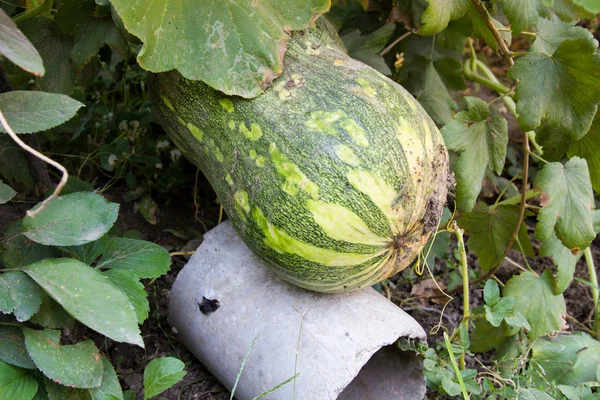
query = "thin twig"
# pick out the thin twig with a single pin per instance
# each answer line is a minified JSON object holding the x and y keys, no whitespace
{"x":395,"y":42}
{"x":65,"y":174}
{"x":502,"y":46}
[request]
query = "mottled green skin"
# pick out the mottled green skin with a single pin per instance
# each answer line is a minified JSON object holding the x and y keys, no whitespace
{"x":404,"y":149}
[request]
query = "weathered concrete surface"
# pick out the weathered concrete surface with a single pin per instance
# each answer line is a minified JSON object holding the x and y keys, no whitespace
{"x":325,"y":339}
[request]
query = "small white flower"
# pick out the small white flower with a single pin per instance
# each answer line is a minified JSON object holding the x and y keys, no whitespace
{"x":109,"y":115}
{"x":134,"y":124}
{"x":175,"y":154}
{"x":97,"y":124}
{"x":162,"y":145}
{"x":158,"y":166}
{"x":123,"y":125}
{"x":112,"y":160}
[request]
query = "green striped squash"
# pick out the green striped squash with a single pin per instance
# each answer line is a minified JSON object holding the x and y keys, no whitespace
{"x":335,"y":175}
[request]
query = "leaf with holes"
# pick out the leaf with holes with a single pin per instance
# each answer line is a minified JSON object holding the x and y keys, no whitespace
{"x":567,"y":202}
{"x":535,"y":299}
{"x":481,"y":142}
{"x":562,"y":89}
{"x":89,"y":296}
{"x":30,"y":111}
{"x":77,"y":365}
{"x":71,"y":220}
{"x":161,"y":374}
{"x":235,"y":47}
{"x":15,"y":46}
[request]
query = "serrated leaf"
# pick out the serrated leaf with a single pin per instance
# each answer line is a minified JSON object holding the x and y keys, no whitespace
{"x":138,"y":257}
{"x":6,"y":193}
{"x":16,"y":383}
{"x":235,"y":47}
{"x":523,"y":14}
{"x":517,"y":320}
{"x":564,"y":260}
{"x":481,"y":142}
{"x":535,"y":299}
{"x":481,"y":29}
{"x":51,"y":314}
{"x":134,"y":289}
{"x":89,"y":252}
{"x":366,"y":48}
{"x":568,"y":10}
{"x":439,"y":13}
{"x":554,"y":142}
{"x":550,"y":34}
{"x":567,"y":203}
{"x":161,"y":374}
{"x":77,"y":365}
{"x":76,"y":18}
{"x":426,"y":84}
{"x":24,"y":292}
{"x":491,"y":292}
{"x":588,"y":147}
{"x":32,"y":111}
{"x":490,"y":230}
{"x":575,"y":393}
{"x":88,"y":296}
{"x":110,"y":388}
{"x":12,"y":347}
{"x":20,"y":251}
{"x":60,"y":392}
{"x":566,"y":359}
{"x":15,"y":46}
{"x":71,"y":220}
{"x":563,"y":89}
{"x":55,"y":50}
{"x":532,"y":394}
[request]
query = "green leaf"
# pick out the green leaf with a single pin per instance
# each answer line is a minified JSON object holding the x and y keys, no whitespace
{"x":51,"y":314}
{"x":138,"y":257}
{"x":149,"y":209}
{"x":12,"y":347}
{"x":532,"y":394}
{"x":71,"y":220}
{"x":77,"y":365}
{"x":491,"y":292}
{"x":566,"y":359}
{"x":20,"y":251}
{"x":110,"y":388}
{"x":439,"y":13}
{"x":567,"y":10}
{"x":567,"y":202}
{"x":451,"y":387}
{"x":89,"y":296}
{"x":14,"y":166}
{"x":550,"y":34}
{"x":76,"y":18}
{"x":161,"y":374}
{"x":481,"y":142}
{"x":481,"y":29}
{"x":6,"y":193}
{"x":590,"y":5}
{"x":535,"y":299}
{"x":564,"y":260}
{"x":517,"y":320}
{"x":60,"y":392}
{"x":55,"y":50}
{"x":563,"y":89}
{"x":235,"y":47}
{"x":496,"y":314}
{"x":366,"y":48}
{"x":490,"y":230}
{"x":425,"y":82}
{"x":130,"y":284}
{"x":31,"y":111}
{"x":554,"y":141}
{"x":15,"y":46}
{"x":89,"y":252}
{"x":523,"y":14}
{"x":16,"y":383}
{"x":24,"y":293}
{"x":575,"y":393}
{"x":588,"y":147}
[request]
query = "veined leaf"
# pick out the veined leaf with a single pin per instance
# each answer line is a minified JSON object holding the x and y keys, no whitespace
{"x":439,"y":13}
{"x":562,"y":89}
{"x":134,"y":289}
{"x":588,"y":147}
{"x":481,"y":142}
{"x":15,"y":46}
{"x":161,"y":374}
{"x":12,"y":347}
{"x":6,"y":193}
{"x":89,"y":252}
{"x":89,"y":296}
{"x":523,"y":14}
{"x":16,"y":383}
{"x":24,"y":294}
{"x":366,"y":48}
{"x":60,"y":392}
{"x":138,"y":257}
{"x":51,"y":314}
{"x":550,"y":34}
{"x":235,"y":47}
{"x":110,"y":388}
{"x":568,"y":203}
{"x":564,"y":260}
{"x":77,"y":365}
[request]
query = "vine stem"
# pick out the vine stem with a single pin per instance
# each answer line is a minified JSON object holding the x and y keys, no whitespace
{"x":589,"y":260}
{"x":465,"y":278}
{"x":65,"y":174}
{"x":502,"y":46}
{"x":395,"y":42}
{"x":45,"y":6}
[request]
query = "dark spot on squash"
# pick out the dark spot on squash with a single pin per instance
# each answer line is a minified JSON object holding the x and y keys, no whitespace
{"x":208,"y":306}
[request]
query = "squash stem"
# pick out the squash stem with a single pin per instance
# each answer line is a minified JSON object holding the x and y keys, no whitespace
{"x":589,"y":260}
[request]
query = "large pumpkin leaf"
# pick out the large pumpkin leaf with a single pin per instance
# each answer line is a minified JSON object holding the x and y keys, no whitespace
{"x":30,"y":111}
{"x":236,"y":47}
{"x":550,"y":34}
{"x":89,"y":296}
{"x":71,"y":220}
{"x":482,"y":142}
{"x":535,"y":299}
{"x":562,"y":89}
{"x":15,"y":46}
{"x":16,"y":383}
{"x":524,"y":13}
{"x":77,"y":365}
{"x":568,"y":203}
{"x":138,"y":257}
